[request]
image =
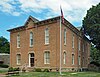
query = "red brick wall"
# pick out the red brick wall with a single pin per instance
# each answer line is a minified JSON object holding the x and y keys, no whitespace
{"x":39,"y":46}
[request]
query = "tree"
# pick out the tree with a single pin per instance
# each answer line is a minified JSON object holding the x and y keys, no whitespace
{"x":94,"y":54}
{"x":91,"y":25}
{"x":4,"y":45}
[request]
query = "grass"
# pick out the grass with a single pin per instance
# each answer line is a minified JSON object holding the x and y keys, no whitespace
{"x":3,"y":70}
{"x":55,"y":74}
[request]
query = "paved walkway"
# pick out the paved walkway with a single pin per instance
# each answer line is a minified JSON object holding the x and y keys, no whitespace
{"x":3,"y":75}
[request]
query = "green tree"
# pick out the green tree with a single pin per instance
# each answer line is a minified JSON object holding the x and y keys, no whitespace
{"x":91,"y":25}
{"x":4,"y":45}
{"x":94,"y":54}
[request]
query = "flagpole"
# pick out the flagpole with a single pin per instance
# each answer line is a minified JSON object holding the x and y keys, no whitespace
{"x":60,"y":46}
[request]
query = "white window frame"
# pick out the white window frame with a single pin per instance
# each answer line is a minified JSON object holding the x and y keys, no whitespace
{"x":18,"y":41}
{"x":65,"y":37}
{"x":73,"y":37}
{"x":47,"y":57}
{"x":46,"y":36}
{"x":79,"y":44}
{"x":73,"y":57}
{"x":83,"y":48}
{"x":64,"y":59}
{"x":18,"y":58}
{"x":31,"y":39}
{"x":79,"y":60}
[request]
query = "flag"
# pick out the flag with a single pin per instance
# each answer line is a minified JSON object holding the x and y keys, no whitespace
{"x":62,"y":16}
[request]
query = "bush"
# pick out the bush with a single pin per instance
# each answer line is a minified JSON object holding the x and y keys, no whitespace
{"x":16,"y":69}
{"x":38,"y":70}
{"x":13,"y":69}
{"x":46,"y":70}
{"x":95,"y":63}
{"x":4,"y":66}
{"x":10,"y":69}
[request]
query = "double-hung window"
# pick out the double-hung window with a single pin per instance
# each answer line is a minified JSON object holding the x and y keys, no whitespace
{"x":46,"y":36}
{"x":47,"y":57}
{"x":18,"y":59}
{"x":18,"y":41}
{"x":31,"y":39}
{"x":64,"y":60}
{"x":64,"y":36}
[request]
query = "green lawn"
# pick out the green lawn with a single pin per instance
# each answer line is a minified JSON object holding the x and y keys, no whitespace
{"x":55,"y":74}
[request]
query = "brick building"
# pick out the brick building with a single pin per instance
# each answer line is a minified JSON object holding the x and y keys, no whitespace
{"x":37,"y":44}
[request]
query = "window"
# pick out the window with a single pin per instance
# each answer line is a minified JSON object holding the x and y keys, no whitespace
{"x":46,"y":36}
{"x":73,"y":41}
{"x":79,"y":45}
{"x":18,"y":59}
{"x":31,"y":39}
{"x":64,"y":36}
{"x":83,"y":47}
{"x":72,"y":59}
{"x":47,"y":57}
{"x":64,"y":58}
{"x":79,"y":60}
{"x":18,"y":41}
{"x":83,"y":61}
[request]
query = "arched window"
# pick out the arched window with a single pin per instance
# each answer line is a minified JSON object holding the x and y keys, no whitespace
{"x":79,"y":60}
{"x":18,"y":59}
{"x":64,"y":58}
{"x":31,"y":39}
{"x":73,"y":41}
{"x":79,"y":43}
{"x":46,"y":36}
{"x":47,"y":57}
{"x":72,"y":59}
{"x":64,"y":36}
{"x":18,"y":41}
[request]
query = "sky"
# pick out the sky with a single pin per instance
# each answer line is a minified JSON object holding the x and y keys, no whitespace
{"x":14,"y":13}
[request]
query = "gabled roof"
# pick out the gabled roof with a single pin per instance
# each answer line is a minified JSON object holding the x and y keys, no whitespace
{"x":35,"y":22}
{"x":32,"y":18}
{"x":17,"y":28}
{"x":47,"y":21}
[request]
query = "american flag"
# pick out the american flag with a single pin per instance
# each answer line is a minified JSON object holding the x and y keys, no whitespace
{"x":62,"y":16}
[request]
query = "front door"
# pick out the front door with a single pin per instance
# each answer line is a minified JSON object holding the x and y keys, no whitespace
{"x":31,"y":59}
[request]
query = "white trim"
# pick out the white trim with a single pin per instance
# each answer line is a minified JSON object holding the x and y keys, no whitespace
{"x":18,"y":40}
{"x":29,"y":53}
{"x":79,"y":44}
{"x":31,"y":38}
{"x":73,"y":59}
{"x":73,"y":38}
{"x":47,"y":36}
{"x":17,"y":59}
{"x":79,"y":60}
{"x":64,"y":57}
{"x":65,"y":36}
{"x":44,"y":56}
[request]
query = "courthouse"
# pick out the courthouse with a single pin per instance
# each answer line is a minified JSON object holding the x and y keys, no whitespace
{"x":36,"y":44}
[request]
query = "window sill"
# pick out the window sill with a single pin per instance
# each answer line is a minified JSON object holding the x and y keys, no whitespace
{"x":31,"y":46}
{"x":64,"y":44}
{"x":46,"y":63}
{"x":46,"y":44}
{"x":18,"y":47}
{"x":18,"y":64}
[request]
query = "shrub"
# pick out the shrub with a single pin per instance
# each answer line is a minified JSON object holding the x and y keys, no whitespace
{"x":46,"y":70}
{"x":10,"y":69}
{"x":16,"y":69}
{"x":4,"y":66}
{"x":13,"y":69}
{"x":38,"y":70}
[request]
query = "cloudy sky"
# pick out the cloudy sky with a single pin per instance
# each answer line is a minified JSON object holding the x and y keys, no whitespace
{"x":14,"y":13}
